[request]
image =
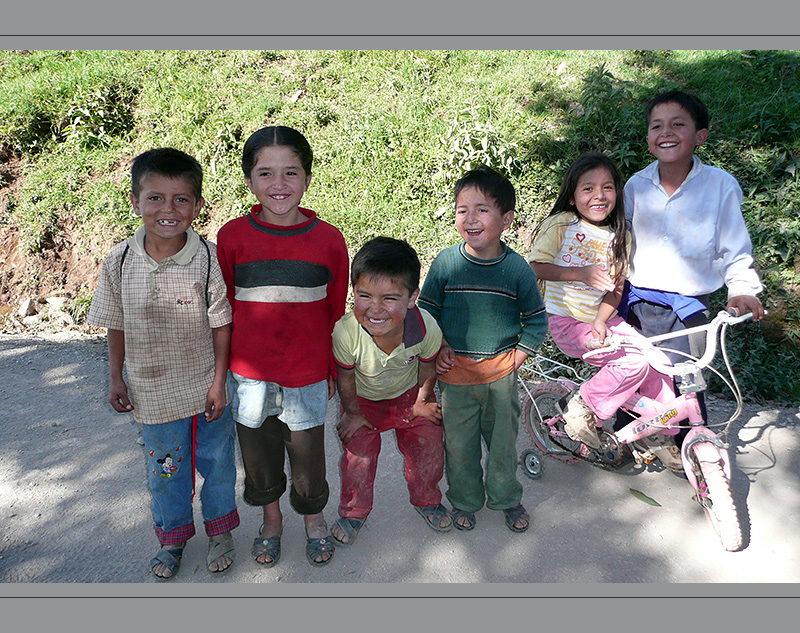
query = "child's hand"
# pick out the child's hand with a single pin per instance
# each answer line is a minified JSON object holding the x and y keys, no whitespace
{"x":747,"y":303}
{"x":118,"y":397}
{"x":600,"y":331}
{"x":215,"y":402}
{"x":429,"y":410}
{"x":445,"y":360}
{"x":596,"y":277}
{"x":331,"y":387}
{"x":349,"y":424}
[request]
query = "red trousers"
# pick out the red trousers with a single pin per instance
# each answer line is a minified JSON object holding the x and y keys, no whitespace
{"x":419,"y":440}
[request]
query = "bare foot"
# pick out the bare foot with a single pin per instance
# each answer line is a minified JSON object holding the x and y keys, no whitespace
{"x":222,"y":562}
{"x":273,"y":526}
{"x":160,"y":569}
{"x":317,"y":528}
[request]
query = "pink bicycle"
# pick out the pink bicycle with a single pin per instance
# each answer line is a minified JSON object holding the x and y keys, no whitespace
{"x":704,"y":453}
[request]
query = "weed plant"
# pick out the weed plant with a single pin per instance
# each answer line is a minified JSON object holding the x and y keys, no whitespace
{"x":393,"y":130}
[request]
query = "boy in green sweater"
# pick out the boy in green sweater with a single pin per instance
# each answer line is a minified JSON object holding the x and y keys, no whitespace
{"x":486,"y":300}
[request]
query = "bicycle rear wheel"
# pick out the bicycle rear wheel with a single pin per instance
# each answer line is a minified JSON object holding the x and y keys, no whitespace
{"x":546,"y":395}
{"x":719,"y":506}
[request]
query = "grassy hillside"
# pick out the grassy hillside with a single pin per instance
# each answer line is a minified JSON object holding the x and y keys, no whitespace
{"x":391,"y":131}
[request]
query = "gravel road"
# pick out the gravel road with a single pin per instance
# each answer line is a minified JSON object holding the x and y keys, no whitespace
{"x":74,"y":507}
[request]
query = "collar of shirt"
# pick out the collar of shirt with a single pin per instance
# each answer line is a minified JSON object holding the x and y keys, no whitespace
{"x":182,"y":257}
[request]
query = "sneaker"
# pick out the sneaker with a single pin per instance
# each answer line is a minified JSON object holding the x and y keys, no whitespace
{"x":663,"y":448}
{"x":580,"y":421}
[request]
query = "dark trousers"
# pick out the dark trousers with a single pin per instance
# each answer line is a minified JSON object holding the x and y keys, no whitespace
{"x":263,"y":454}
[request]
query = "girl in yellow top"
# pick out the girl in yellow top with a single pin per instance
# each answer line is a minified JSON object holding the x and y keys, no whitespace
{"x":581,"y":251}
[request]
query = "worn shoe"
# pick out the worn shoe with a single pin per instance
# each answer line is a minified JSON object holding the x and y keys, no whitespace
{"x":580,"y":421}
{"x":663,"y":448}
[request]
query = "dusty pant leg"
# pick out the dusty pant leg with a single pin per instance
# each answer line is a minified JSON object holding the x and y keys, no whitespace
{"x":263,"y":452}
{"x":309,"y":492}
{"x":420,"y":441}
{"x":358,"y":466}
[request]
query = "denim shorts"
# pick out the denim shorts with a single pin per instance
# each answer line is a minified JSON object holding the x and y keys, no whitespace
{"x":299,"y":408}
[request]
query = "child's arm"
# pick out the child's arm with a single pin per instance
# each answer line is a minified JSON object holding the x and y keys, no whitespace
{"x":216,"y":400}
{"x":608,"y":306}
{"x":117,"y":390}
{"x":594,"y":275}
{"x":352,"y":419}
{"x":424,"y":407}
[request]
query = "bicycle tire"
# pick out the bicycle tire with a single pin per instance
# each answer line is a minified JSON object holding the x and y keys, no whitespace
{"x":546,"y":395}
{"x":721,"y":511}
{"x":532,"y":463}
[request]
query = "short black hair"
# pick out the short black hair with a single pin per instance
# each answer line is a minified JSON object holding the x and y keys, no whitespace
{"x":689,"y":102}
{"x":166,"y":161}
{"x":276,"y":135}
{"x":492,"y":183}
{"x":387,"y":257}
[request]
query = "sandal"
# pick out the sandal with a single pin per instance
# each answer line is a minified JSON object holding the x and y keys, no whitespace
{"x":433,"y":516}
{"x":266,"y":546}
{"x":515,"y":513}
{"x":169,"y":557}
{"x":317,"y":546}
{"x":463,"y":514}
{"x":350,"y":527}
{"x":218,"y":549}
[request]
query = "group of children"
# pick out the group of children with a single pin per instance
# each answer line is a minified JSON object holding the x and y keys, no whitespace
{"x":258,"y":321}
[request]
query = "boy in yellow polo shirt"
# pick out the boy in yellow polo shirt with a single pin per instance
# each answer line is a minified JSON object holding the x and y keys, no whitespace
{"x":385,"y":349}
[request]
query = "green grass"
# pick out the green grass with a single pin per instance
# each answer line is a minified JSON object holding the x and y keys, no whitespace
{"x":392,"y":130}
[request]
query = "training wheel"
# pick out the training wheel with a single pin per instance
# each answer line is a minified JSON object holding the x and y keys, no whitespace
{"x":532,"y":463}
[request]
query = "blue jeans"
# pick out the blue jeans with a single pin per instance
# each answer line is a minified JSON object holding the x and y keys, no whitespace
{"x":171,"y":476}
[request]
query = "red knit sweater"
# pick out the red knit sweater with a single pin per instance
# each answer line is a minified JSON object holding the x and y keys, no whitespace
{"x":287,"y":287}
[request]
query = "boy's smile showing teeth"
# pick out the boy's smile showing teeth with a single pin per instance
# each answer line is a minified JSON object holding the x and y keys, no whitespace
{"x":168,"y":207}
{"x":672,"y":134}
{"x":480,"y":222}
{"x":380,"y":305}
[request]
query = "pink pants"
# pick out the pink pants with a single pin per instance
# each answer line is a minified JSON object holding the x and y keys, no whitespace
{"x":622,"y":373}
{"x":419,"y":440}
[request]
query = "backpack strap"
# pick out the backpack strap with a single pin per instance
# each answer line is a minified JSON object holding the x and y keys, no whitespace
{"x":208,"y":265}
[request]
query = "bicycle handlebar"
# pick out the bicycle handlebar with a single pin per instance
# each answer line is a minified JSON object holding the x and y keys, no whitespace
{"x":615,"y":342}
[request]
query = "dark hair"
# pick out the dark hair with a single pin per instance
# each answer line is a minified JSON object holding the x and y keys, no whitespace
{"x":692,"y":104}
{"x":387,"y":257}
{"x":166,"y":161}
{"x":492,"y":184}
{"x":565,"y":202}
{"x":276,"y":135}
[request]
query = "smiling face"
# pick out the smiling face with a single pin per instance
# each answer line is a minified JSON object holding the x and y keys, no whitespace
{"x":380,"y":304}
{"x":595,"y":195}
{"x":480,"y":222}
{"x":279,"y":181}
{"x":168,"y":208}
{"x":672,"y":134}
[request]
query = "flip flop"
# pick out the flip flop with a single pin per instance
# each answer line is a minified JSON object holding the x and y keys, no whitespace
{"x":169,"y":557}
{"x":350,"y":527}
{"x":469,"y":516}
{"x":433,"y":516}
{"x":512,"y":514}
{"x":218,"y":549}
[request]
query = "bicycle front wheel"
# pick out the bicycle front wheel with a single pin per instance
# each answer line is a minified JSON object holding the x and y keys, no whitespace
{"x":719,"y":506}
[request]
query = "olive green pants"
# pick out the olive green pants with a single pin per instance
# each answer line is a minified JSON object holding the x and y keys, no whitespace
{"x":472,"y":412}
